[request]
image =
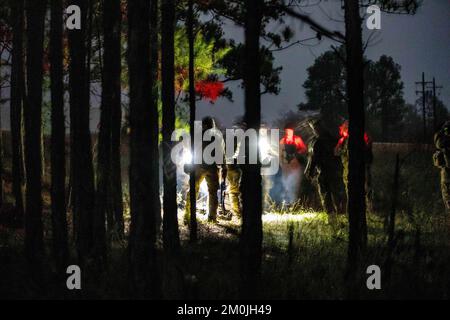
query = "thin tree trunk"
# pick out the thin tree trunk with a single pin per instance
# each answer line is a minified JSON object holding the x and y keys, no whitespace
{"x":34,"y":245}
{"x":154,"y":65}
{"x":81,"y":151}
{"x":58,"y":136}
{"x":17,"y":86}
{"x":116,"y":124}
{"x":109,"y":181}
{"x":251,"y":234}
{"x":170,"y":225}
{"x":192,"y":107}
{"x":1,"y":139}
{"x":356,"y":176}
{"x":144,"y":198}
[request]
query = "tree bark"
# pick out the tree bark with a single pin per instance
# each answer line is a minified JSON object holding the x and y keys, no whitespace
{"x":17,"y":91}
{"x":251,"y":234}
{"x":192,"y":109}
{"x":154,"y":65}
{"x":34,"y":245}
{"x":58,"y":137}
{"x":144,"y":167}
{"x":356,"y":175}
{"x":81,"y":151}
{"x":171,"y":235}
{"x":1,"y":141}
{"x":116,"y":122}
{"x":111,"y":99}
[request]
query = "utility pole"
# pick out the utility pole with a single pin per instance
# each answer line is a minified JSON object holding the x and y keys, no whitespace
{"x":423,"y":83}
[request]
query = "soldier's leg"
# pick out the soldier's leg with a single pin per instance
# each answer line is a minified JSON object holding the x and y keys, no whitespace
{"x":445,"y":188}
{"x":199,"y":176}
{"x":234,"y":180}
{"x":212,"y":179}
{"x":325,"y":195}
{"x":267,"y":186}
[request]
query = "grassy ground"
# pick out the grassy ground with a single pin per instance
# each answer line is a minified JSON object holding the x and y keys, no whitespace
{"x":303,"y":256}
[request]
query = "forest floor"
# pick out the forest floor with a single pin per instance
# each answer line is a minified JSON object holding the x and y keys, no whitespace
{"x":303,"y":256}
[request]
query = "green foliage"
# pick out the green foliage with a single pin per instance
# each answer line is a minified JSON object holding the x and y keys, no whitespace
{"x":207,"y":58}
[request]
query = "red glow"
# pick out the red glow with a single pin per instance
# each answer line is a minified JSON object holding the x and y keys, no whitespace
{"x":343,"y":133}
{"x":291,"y":139}
{"x":209,"y":89}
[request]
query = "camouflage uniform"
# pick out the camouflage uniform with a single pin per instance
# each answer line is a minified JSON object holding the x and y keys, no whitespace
{"x":442,"y":160}
{"x":209,"y":172}
{"x":324,"y":168}
{"x":234,"y":174}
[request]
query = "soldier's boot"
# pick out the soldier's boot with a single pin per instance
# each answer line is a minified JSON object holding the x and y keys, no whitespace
{"x":212,"y":180}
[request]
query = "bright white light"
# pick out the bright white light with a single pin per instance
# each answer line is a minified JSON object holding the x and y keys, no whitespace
{"x":187,"y":156}
{"x":264,"y":147}
{"x":203,"y":187}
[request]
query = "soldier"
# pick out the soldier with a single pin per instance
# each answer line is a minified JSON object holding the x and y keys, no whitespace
{"x":441,"y":160}
{"x":342,"y":151}
{"x":209,"y":172}
{"x":292,"y":148}
{"x":233,"y":175}
{"x":324,"y":168}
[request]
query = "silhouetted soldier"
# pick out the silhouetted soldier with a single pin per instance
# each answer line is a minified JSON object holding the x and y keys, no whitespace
{"x":442,"y":160}
{"x":292,"y":148}
{"x":324,"y":168}
{"x":209,"y":172}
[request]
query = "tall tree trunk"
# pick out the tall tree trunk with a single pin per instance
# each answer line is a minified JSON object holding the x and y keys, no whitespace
{"x":17,"y":88}
{"x":192,"y":107}
{"x":110,"y":100}
{"x":356,"y":175}
{"x":144,"y":167}
{"x":154,"y":65}
{"x":1,"y":139}
{"x":58,"y":137}
{"x":34,"y":245}
{"x":81,"y":151}
{"x":116,"y":121}
{"x":251,"y":234}
{"x":170,"y":225}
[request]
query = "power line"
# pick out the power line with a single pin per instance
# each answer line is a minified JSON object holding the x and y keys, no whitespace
{"x":424,"y":92}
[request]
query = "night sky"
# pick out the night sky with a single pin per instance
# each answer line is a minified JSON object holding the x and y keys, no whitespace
{"x":418,"y":43}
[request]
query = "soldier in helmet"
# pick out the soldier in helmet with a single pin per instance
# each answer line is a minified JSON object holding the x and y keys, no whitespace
{"x":208,"y":172}
{"x":442,"y":160}
{"x":324,"y":168}
{"x":292,"y":149}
